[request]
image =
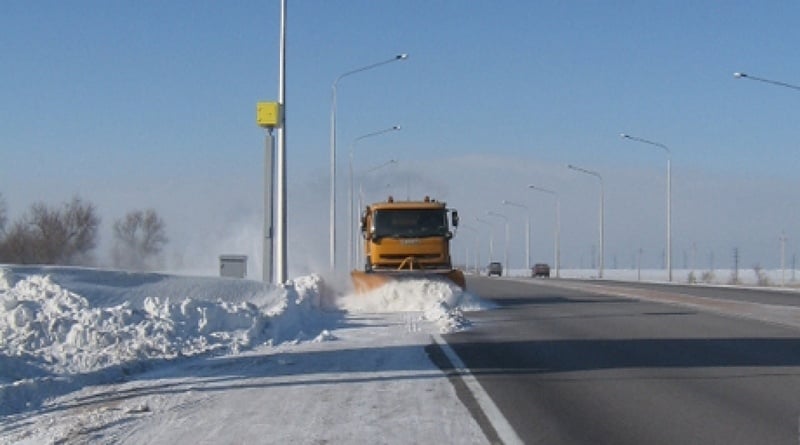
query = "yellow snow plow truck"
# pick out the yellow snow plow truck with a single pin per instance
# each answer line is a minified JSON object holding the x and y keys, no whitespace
{"x":406,"y":239}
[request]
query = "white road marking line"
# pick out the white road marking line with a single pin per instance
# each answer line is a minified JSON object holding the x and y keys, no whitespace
{"x":496,"y":418}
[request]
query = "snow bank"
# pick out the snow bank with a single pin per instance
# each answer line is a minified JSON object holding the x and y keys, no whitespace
{"x":62,"y":328}
{"x":61,"y":332}
{"x":50,"y":335}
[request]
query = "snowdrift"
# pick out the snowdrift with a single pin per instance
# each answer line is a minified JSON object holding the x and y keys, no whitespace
{"x":63,"y":328}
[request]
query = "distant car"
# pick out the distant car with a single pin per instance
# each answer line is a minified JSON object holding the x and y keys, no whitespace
{"x":495,"y":268}
{"x":540,"y":270}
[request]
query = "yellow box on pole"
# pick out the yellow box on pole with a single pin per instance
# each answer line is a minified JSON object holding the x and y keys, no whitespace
{"x":268,"y":114}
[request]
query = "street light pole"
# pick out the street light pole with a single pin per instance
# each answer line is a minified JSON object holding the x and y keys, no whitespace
{"x":602,"y":217}
{"x":361,"y":181}
{"x":477,"y":245}
{"x":505,"y":255}
{"x":351,"y":193}
{"x":527,"y":231}
{"x":269,"y":162}
{"x":783,"y":240}
{"x":280,"y":224}
{"x":491,"y":237}
{"x":333,"y":149}
{"x":740,"y":75}
{"x":669,"y":196}
{"x":557,"y":248}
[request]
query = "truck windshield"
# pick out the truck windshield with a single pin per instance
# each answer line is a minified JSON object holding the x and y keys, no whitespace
{"x":410,"y":223}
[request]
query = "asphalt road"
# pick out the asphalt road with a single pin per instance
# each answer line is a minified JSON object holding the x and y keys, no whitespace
{"x":786,"y":297}
{"x":567,"y":366}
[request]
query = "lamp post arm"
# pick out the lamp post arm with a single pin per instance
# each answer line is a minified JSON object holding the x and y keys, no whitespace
{"x":645,"y":141}
{"x":368,"y":135}
{"x":369,"y":67}
{"x":760,"y":79}
{"x":588,"y":172}
{"x":391,"y":161}
{"x":376,"y":133}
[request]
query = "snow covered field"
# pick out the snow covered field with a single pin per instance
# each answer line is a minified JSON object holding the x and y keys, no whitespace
{"x":745,"y":277}
{"x":102,"y":356}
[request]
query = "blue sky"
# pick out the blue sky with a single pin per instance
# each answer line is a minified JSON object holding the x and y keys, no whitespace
{"x":138,"y":104}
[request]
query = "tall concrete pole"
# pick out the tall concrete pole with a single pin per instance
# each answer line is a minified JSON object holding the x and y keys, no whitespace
{"x":280,"y":241}
{"x":269,"y":161}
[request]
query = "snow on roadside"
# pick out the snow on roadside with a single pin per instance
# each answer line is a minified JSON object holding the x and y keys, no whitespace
{"x":52,"y":338}
{"x":61,"y":331}
{"x":63,"y":328}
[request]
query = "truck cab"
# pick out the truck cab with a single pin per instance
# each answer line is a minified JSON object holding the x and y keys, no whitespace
{"x":412,"y":235}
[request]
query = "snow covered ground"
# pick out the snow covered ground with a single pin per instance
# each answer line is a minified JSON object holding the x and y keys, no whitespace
{"x":103,"y":356}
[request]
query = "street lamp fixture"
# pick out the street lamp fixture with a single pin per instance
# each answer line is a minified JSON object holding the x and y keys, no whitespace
{"x":557,"y":242}
{"x":333,"y":148}
{"x":669,"y":194}
{"x":350,"y":225}
{"x":602,"y":217}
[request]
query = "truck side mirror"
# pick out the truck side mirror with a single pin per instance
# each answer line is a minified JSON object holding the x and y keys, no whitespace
{"x":455,"y":218}
{"x":365,"y":230}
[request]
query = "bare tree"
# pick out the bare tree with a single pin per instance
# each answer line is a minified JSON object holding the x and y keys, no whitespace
{"x":81,"y":222}
{"x":16,"y":245}
{"x":3,"y":217}
{"x":47,"y":234}
{"x":52,"y":236}
{"x":138,"y":240}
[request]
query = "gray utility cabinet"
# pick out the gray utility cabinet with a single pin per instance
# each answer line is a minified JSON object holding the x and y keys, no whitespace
{"x":233,"y":266}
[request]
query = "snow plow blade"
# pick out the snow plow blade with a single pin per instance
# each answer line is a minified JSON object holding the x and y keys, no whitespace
{"x":364,"y":282}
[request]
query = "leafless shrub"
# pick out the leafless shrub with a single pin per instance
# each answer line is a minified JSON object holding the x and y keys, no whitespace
{"x":761,"y":276}
{"x":53,"y":236}
{"x":138,"y":240}
{"x":15,"y":246}
{"x":3,"y":217}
